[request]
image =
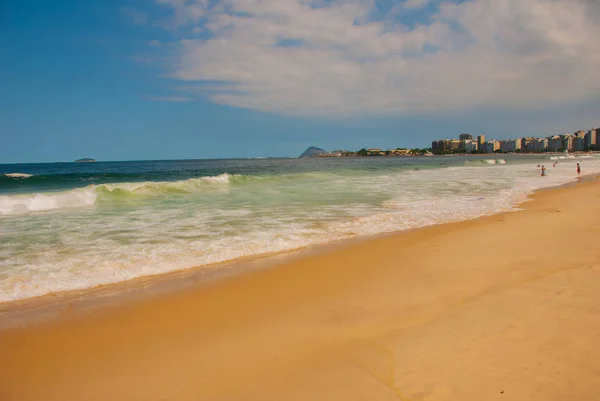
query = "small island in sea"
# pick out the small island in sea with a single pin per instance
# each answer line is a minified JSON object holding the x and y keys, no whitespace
{"x":85,"y":160}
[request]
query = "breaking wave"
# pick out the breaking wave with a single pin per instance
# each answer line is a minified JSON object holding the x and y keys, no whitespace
{"x":88,"y":196}
{"x":18,"y":175}
{"x":486,"y":161}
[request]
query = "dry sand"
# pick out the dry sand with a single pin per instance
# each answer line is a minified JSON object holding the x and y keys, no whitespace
{"x":501,"y":308}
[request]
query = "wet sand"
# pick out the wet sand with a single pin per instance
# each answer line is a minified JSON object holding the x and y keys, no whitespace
{"x":505,"y":307}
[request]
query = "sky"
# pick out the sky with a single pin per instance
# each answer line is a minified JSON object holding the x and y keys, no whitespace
{"x":191,"y":79}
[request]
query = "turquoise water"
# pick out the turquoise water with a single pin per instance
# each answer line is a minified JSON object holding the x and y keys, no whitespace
{"x":66,"y":226}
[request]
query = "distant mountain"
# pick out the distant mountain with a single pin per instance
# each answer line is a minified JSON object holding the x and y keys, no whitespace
{"x":313,"y":151}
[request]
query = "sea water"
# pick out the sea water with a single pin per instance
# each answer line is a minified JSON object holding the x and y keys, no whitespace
{"x":67,"y":226}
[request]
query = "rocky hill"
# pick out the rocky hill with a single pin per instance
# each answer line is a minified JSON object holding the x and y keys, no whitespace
{"x":313,"y":151}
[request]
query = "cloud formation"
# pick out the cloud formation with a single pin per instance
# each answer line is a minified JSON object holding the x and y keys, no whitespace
{"x":415,"y":3}
{"x":342,"y":57}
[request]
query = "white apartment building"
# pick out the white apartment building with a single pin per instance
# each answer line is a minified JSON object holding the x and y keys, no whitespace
{"x":469,"y":145}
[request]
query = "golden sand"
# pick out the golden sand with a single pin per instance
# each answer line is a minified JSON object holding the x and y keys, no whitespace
{"x":500,"y":308}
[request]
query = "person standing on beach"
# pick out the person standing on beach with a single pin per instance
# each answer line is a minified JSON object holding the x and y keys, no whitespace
{"x":543,"y":171}
{"x":578,"y":169}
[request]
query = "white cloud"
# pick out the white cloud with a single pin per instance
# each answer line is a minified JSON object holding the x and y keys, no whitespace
{"x":312,"y":57}
{"x":416,"y":3}
{"x":184,"y":13}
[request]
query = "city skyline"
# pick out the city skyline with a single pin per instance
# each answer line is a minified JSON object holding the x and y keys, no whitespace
{"x":578,"y":141}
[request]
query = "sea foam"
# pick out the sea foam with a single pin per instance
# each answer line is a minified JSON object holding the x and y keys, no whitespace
{"x":88,"y":196}
{"x":18,"y":175}
{"x":166,"y":226}
{"x":22,"y":204}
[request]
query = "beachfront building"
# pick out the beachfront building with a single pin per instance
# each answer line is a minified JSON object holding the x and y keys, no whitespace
{"x":399,"y":152}
{"x":566,"y":142}
{"x":491,"y":146}
{"x":442,"y":145}
{"x":554,"y":144}
{"x":469,"y":145}
{"x":526,"y":144}
{"x":465,"y":137}
{"x":579,"y":143}
{"x":480,"y":142}
{"x":510,"y":145}
{"x":539,"y":145}
{"x":591,"y":138}
{"x":453,"y":144}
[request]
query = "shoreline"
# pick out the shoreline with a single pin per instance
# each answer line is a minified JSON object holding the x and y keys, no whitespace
{"x":49,"y":305}
{"x":501,"y":306}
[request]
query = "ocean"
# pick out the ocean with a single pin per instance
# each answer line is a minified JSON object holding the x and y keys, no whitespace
{"x":68,"y":226}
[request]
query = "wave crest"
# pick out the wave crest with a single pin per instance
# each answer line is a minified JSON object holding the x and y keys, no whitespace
{"x":487,"y":161}
{"x":88,"y":196}
{"x":23,"y":204}
{"x":191,"y":185}
{"x":18,"y":175}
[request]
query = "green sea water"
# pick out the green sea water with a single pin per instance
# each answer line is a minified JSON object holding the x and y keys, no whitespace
{"x":66,"y":226}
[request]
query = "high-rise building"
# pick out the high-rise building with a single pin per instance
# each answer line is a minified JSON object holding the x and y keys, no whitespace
{"x":434,"y":145}
{"x":554,"y":143}
{"x":443,"y":145}
{"x":510,"y":145}
{"x":480,"y":142}
{"x":591,"y":138}
{"x":469,"y":145}
{"x":526,"y":144}
{"x":491,"y":146}
{"x":539,"y":145}
{"x":454,"y":144}
{"x":566,"y":142}
{"x":579,"y":143}
{"x":465,"y":137}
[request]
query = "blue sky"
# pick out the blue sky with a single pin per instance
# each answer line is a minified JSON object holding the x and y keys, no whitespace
{"x":171,"y":79}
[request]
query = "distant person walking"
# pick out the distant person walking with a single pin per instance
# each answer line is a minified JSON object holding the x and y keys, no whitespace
{"x":578,"y":169}
{"x":543,"y":171}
